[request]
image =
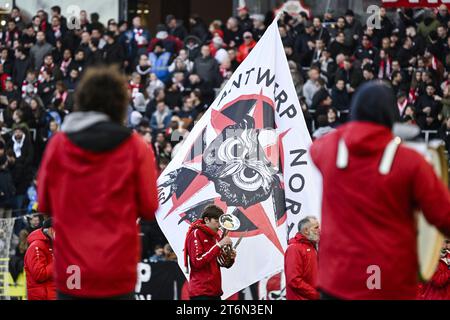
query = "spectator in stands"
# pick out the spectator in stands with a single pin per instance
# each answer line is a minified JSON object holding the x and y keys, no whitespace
{"x":311,"y":86}
{"x":160,"y":60}
{"x":333,"y":118}
{"x":340,"y":96}
{"x":114,"y":53}
{"x":169,"y":254}
{"x":144,"y":68}
{"x":198,"y":28}
{"x":161,"y":117}
{"x":7,"y":188}
{"x":20,"y":164}
{"x":245,"y":23}
{"x":40,"y":50}
{"x":428,"y":106}
{"x":207,"y":67}
{"x":246,"y":47}
{"x":258,"y":26}
{"x":232,"y":34}
{"x":140,"y":37}
{"x":34,"y":223}
{"x":158,"y":254}
{"x":176,"y":28}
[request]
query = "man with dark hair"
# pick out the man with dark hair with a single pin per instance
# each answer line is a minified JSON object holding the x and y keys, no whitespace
{"x":113,"y":172}
{"x":95,"y":23}
{"x":300,"y":261}
{"x":366,"y":51}
{"x":28,"y":37}
{"x":202,"y":248}
{"x":175,"y":28}
{"x":38,"y":263}
{"x":56,"y":12}
{"x":21,"y":164}
{"x":114,"y":53}
{"x":428,"y":105}
{"x":11,"y":34}
{"x":57,"y":31}
{"x":17,"y":16}
{"x":96,"y":56}
{"x":371,"y":187}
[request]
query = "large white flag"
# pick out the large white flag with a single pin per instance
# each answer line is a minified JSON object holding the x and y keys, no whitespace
{"x":249,"y":155}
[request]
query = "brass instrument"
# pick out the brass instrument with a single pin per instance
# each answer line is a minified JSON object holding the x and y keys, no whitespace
{"x":228,"y":222}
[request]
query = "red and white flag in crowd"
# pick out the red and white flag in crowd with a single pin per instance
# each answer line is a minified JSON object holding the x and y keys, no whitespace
{"x":248,"y":154}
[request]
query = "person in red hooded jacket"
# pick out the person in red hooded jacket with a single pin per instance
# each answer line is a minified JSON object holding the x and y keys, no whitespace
{"x":372,"y":186}
{"x":300,"y":262}
{"x":38,"y":263}
{"x":438,"y":288}
{"x":96,"y":179}
{"x":202,"y":248}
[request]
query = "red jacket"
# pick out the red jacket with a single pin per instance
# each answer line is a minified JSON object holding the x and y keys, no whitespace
{"x":300,"y":267}
{"x":38,"y":264}
{"x":438,"y":288}
{"x":202,"y":250}
{"x":244,"y":50}
{"x":368,"y":219}
{"x":95,"y":199}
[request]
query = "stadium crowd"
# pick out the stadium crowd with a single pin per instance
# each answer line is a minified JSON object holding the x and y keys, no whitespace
{"x":175,"y":74}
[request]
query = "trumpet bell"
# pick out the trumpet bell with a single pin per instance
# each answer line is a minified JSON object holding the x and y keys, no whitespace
{"x":229,"y":222}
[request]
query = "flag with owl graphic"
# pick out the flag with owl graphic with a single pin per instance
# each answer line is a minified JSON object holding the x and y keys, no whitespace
{"x":248,"y":155}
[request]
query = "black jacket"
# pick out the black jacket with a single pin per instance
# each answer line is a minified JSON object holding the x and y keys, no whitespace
{"x":7,"y":188}
{"x":21,"y":170}
{"x":114,"y":53}
{"x":46,"y":91}
{"x":95,"y":58}
{"x":19,"y":71}
{"x":179,"y":31}
{"x":208,"y":70}
{"x":341,"y":99}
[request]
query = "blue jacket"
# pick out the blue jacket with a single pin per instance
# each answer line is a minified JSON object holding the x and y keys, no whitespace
{"x":166,"y":120}
{"x":160,"y":65}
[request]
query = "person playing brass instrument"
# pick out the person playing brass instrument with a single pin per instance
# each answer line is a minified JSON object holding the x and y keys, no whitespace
{"x":203,"y":248}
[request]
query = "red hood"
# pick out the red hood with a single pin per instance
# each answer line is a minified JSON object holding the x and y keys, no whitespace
{"x":299,"y":238}
{"x":363,"y":137}
{"x":37,"y":235}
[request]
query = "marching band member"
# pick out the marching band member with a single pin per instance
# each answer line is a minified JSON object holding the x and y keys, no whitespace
{"x":97,"y":177}
{"x":371,"y":188}
{"x":438,"y":288}
{"x":300,"y":262}
{"x":202,"y":248}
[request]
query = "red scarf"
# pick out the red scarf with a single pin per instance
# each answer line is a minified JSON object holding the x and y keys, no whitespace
{"x":198,"y":224}
{"x":385,"y":68}
{"x":413,"y":94}
{"x":434,"y":63}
